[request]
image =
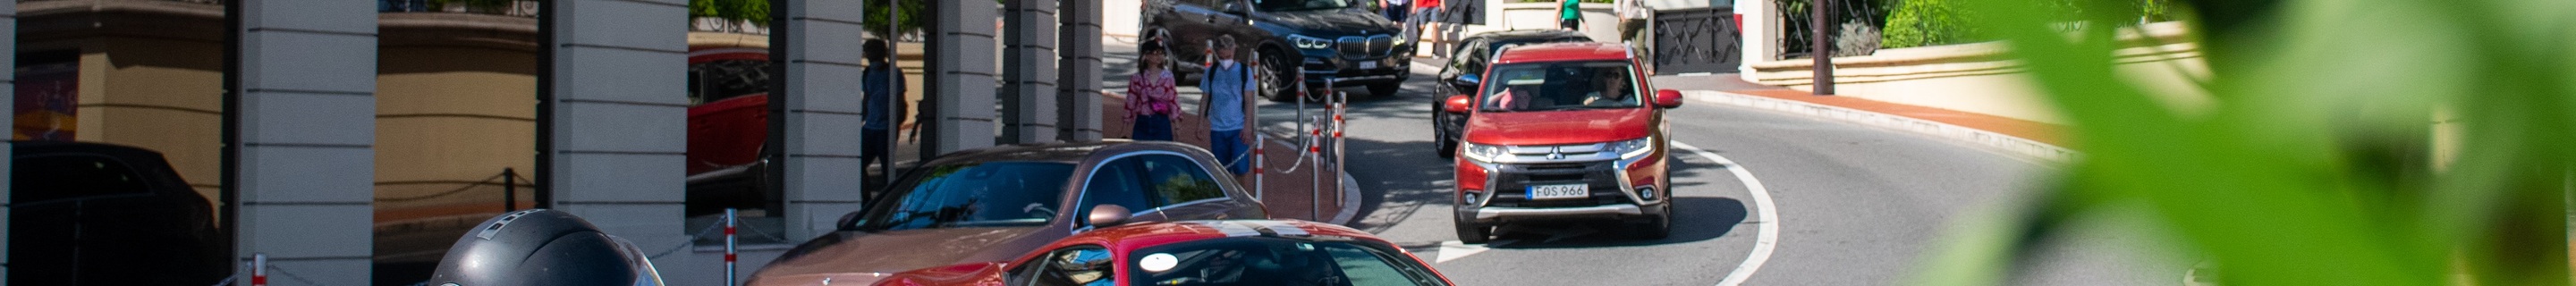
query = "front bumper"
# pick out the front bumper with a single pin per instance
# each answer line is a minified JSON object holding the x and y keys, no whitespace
{"x":1501,"y":193}
{"x":1612,"y":211}
{"x":1320,"y":67}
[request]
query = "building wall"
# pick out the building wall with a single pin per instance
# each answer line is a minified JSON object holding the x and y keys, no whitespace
{"x":453,"y":102}
{"x":159,"y":93}
{"x":444,"y":123}
{"x":1978,"y":78}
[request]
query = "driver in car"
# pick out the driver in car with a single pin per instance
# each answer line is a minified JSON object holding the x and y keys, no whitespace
{"x":1613,"y":93}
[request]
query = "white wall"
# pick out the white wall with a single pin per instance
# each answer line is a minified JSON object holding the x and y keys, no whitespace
{"x":1761,"y":23}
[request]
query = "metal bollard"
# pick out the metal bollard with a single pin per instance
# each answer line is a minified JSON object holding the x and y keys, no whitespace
{"x":259,"y":269}
{"x":729,"y":246}
{"x":1252,"y":123}
{"x":1340,"y":108}
{"x":509,"y":190}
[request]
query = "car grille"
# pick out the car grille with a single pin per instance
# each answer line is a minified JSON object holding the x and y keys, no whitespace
{"x":1512,"y":181}
{"x":1359,"y":47}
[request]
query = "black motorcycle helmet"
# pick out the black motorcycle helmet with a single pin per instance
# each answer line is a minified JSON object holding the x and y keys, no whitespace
{"x":542,"y":247}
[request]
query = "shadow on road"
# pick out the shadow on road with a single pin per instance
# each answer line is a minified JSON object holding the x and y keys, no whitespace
{"x":1391,"y":191}
{"x":1695,"y":219}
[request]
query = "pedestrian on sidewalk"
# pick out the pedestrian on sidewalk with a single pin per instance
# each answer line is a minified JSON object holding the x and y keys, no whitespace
{"x":1226,"y":83}
{"x":1395,"y":10}
{"x":1426,"y":20}
{"x":1633,"y":17}
{"x":1151,"y":97}
{"x":1569,"y":15}
{"x":880,"y":84}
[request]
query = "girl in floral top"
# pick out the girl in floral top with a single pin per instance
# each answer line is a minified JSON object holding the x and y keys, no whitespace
{"x":1152,"y":100}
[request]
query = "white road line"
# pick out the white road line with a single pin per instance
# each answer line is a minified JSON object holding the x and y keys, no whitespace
{"x":1767,"y":235}
{"x":1453,"y":250}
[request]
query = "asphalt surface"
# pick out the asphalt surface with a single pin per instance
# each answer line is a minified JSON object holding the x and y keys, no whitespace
{"x":1854,"y":205}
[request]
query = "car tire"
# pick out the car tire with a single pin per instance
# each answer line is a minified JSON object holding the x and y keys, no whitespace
{"x":1448,"y":148}
{"x":1656,"y":228}
{"x":1281,"y":82}
{"x":1470,"y":233}
{"x":1659,"y":227}
{"x":1385,"y":90}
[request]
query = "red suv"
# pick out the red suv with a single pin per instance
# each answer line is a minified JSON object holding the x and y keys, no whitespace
{"x":1563,"y":132}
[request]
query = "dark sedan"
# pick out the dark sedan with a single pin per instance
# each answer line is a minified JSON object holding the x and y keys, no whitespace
{"x":1468,"y":62}
{"x":997,"y":203}
{"x":98,"y":214}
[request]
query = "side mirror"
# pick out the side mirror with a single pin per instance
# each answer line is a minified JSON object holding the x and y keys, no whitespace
{"x":1466,"y":82}
{"x":1458,"y":103}
{"x":1668,"y":99}
{"x":1107,"y":215}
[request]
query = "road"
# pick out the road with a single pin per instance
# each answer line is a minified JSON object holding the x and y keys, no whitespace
{"x":1851,"y":205}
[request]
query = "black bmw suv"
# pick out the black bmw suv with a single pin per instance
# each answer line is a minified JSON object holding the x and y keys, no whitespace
{"x":1344,"y":40}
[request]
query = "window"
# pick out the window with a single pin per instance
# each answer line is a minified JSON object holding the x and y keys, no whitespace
{"x":973,"y":195}
{"x":1117,"y":182}
{"x":1179,"y":180}
{"x":1301,"y":5}
{"x":1274,"y":261}
{"x":73,"y":176}
{"x":1074,"y":266}
{"x":1561,"y":86}
{"x":1475,"y":63}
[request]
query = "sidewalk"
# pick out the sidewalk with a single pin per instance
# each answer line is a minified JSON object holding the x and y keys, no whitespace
{"x":2037,"y":139}
{"x":1289,"y":194}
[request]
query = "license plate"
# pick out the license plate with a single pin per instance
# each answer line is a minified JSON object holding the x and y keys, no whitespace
{"x":1543,"y":192}
{"x":1368,"y":65}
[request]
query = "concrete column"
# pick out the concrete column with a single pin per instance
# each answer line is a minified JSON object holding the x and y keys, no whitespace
{"x":613,"y":110}
{"x":1078,"y":84}
{"x":820,"y":43}
{"x":304,"y":135}
{"x":8,"y":89}
{"x":961,"y":77}
{"x":1761,"y":41}
{"x":1029,"y":88}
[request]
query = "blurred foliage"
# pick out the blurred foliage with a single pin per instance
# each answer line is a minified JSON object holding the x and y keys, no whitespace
{"x":2346,"y":142}
{"x":913,"y":16}
{"x":472,"y":6}
{"x":1917,"y":23}
{"x":1857,"y":26}
{"x":914,"y":13}
{"x":755,"y":12}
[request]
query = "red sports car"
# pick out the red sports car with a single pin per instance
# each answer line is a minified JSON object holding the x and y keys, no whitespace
{"x":1221,"y":252}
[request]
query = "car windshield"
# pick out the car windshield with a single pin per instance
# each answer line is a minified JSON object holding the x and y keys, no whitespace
{"x":1499,"y":44}
{"x":1274,"y":261}
{"x":1560,"y":86}
{"x":1300,"y":5}
{"x":973,"y":195}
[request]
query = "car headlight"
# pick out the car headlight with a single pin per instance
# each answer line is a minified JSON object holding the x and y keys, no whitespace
{"x":1631,"y":149}
{"x":1305,"y":42}
{"x":1483,"y":153}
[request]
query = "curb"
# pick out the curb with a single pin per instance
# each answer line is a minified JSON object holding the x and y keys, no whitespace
{"x":1350,"y":206}
{"x":2007,"y":143}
